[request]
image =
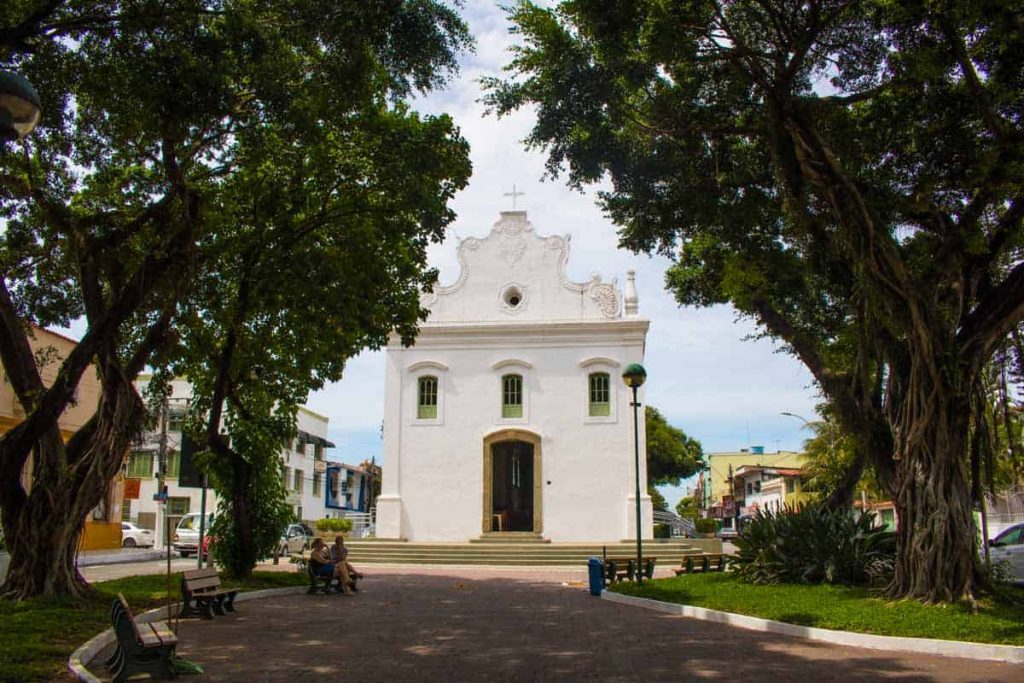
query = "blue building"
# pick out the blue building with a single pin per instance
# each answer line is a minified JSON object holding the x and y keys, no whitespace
{"x":349,"y":489}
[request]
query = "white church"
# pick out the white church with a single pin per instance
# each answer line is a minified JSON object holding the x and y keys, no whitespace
{"x":509,"y":416}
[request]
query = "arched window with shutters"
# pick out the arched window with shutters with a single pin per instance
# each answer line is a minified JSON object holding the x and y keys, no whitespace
{"x":600,"y":394}
{"x":511,"y":396}
{"x":426,"y":401}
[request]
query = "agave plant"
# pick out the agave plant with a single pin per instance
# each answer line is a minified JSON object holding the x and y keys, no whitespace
{"x":814,"y":545}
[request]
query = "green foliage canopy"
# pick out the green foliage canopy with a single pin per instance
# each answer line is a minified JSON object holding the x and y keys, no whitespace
{"x":847,"y":174}
{"x":671,"y":455}
{"x":206,"y":170}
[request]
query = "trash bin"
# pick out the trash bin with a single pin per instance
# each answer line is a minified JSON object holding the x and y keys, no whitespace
{"x":595,"y":568}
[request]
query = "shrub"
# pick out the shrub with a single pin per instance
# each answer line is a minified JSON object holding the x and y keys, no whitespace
{"x":662,"y":531}
{"x":334,"y":524}
{"x":814,"y":545}
{"x":706,"y":525}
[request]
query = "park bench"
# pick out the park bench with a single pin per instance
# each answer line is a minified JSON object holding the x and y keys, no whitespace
{"x":300,"y":559}
{"x":322,"y":583}
{"x":201,"y":594}
{"x":624,"y":568}
{"x":141,"y":647}
{"x":704,"y":562}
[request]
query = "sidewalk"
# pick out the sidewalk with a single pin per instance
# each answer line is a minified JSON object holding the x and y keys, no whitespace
{"x":91,"y":558}
{"x":444,"y":624}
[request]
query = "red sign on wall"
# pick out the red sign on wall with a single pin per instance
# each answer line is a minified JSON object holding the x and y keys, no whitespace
{"x":131,"y":489}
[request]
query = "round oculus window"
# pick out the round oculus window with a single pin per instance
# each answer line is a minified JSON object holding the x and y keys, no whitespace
{"x":512,"y":297}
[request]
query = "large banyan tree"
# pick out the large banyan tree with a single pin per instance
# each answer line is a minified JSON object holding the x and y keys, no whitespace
{"x":848,"y":173}
{"x":170,"y":132}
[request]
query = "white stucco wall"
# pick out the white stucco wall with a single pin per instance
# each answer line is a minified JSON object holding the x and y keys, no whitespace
{"x":558,"y":334}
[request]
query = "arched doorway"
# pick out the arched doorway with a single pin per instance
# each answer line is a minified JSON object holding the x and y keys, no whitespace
{"x":512,"y":482}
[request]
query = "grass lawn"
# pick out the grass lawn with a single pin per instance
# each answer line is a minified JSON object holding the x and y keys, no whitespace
{"x":37,"y":636}
{"x":838,"y":607}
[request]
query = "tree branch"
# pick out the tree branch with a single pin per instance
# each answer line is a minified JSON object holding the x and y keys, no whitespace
{"x":992,"y":319}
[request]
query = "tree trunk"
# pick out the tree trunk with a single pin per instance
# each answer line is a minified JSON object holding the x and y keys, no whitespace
{"x":42,"y":535}
{"x":243,"y":558}
{"x":935,"y":555}
{"x":42,"y":525}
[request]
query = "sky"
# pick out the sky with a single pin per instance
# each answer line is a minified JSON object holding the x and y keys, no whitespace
{"x":705,"y":372}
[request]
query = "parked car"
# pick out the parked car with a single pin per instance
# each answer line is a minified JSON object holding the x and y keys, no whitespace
{"x":295,"y":539}
{"x":133,"y":536}
{"x":186,"y":535}
{"x":1009,"y":547}
{"x":208,"y":542}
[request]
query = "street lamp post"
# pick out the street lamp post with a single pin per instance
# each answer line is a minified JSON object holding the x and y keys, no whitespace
{"x":20,"y":109}
{"x":634,"y":376}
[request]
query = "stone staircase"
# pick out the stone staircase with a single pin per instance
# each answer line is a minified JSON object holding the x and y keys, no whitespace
{"x":528,"y":550}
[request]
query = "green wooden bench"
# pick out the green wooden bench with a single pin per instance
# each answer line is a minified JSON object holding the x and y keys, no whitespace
{"x":141,"y":647}
{"x":201,"y":594}
{"x":624,"y":569}
{"x":703,"y":562}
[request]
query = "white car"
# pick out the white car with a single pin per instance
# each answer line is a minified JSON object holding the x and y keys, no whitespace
{"x":186,"y":535}
{"x":1008,"y":547}
{"x":133,"y":536}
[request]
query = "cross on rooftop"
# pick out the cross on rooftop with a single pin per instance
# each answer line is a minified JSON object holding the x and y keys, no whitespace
{"x":513,"y":194}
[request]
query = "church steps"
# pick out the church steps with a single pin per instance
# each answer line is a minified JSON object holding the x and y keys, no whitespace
{"x":514,"y":553}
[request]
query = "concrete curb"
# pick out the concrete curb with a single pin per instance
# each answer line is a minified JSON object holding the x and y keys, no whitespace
{"x":96,"y":559}
{"x":88,"y":651}
{"x":945,"y":648}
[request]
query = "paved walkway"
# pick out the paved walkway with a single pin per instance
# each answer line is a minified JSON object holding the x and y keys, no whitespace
{"x":444,"y":624}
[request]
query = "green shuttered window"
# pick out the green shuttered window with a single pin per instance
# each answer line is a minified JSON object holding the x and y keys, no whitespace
{"x":600,"y":394}
{"x":512,"y":396}
{"x":426,"y":406}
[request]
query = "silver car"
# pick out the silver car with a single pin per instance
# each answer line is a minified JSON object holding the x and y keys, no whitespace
{"x":1008,"y":547}
{"x":186,"y":535}
{"x":295,"y":539}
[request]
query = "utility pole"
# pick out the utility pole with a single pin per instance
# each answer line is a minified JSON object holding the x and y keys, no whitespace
{"x":162,"y":533}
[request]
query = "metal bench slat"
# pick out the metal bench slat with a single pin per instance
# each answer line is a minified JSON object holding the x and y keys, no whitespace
{"x":200,"y":573}
{"x":164,"y":633}
{"x":201,"y":584}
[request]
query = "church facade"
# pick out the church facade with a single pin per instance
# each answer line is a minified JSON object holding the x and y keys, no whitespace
{"x":509,"y":415}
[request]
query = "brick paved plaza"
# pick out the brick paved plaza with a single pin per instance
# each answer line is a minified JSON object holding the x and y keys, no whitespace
{"x":456,"y":624}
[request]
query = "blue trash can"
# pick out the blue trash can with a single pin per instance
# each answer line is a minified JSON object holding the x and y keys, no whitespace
{"x":595,"y":568}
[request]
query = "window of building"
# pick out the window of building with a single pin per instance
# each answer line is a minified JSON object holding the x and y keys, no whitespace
{"x":512,"y":396}
{"x":316,"y":483}
{"x":600,"y":394}
{"x":173,"y":464}
{"x":318,"y":452}
{"x":287,"y":476}
{"x":140,"y":465}
{"x":300,"y":446}
{"x":750,"y":489}
{"x":790,"y":485}
{"x":298,"y":480}
{"x":175,"y":423}
{"x":126,"y":510}
{"x":426,"y":405}
{"x":757,"y":486}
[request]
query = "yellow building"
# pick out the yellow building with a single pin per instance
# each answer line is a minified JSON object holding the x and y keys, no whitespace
{"x":103,"y":528}
{"x":714,"y":491}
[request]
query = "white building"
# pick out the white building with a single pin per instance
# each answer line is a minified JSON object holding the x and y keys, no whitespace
{"x":509,"y":414}
{"x":303,"y":468}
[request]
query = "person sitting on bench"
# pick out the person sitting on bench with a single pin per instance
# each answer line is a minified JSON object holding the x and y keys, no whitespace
{"x":339,"y":554}
{"x":321,"y":564}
